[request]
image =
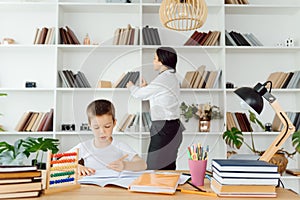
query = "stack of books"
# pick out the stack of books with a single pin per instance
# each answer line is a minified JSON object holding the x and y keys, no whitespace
{"x":44,"y":35}
{"x":238,"y":120}
{"x":126,"y":36}
{"x":234,"y":38}
{"x":201,"y":78}
{"x":285,"y":79}
{"x":244,"y":178}
{"x":73,"y":80}
{"x":67,"y":36}
{"x":211,"y":38}
{"x":150,"y":36}
{"x":125,"y":78}
{"x":32,"y":121}
{"x":19,"y":181}
{"x":277,"y":124}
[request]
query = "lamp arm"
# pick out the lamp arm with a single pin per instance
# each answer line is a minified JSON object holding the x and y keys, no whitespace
{"x":286,"y":131}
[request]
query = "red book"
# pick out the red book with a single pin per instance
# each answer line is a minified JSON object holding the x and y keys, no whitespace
{"x":48,"y":126}
{"x":193,"y":36}
{"x":40,"y":128}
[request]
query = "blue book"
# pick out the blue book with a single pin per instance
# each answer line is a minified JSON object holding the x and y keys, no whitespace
{"x":238,"y":165}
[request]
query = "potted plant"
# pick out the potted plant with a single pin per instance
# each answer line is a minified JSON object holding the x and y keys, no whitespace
{"x":39,"y":146}
{"x":22,"y":149}
{"x":12,"y":154}
{"x":235,"y":139}
{"x":203,"y":112}
{"x":1,"y":128}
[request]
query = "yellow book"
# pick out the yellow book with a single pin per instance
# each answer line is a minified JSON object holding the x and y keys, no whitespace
{"x":155,"y":183}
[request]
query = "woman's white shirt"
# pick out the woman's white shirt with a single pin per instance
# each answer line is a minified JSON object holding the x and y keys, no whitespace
{"x":163,"y":94}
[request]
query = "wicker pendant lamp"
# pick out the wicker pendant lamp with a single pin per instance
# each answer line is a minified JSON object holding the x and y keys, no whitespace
{"x":183,"y":15}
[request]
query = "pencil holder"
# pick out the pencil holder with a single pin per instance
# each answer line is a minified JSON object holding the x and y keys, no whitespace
{"x":197,"y":170}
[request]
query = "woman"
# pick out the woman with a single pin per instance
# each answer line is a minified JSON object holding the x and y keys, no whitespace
{"x":163,"y":95}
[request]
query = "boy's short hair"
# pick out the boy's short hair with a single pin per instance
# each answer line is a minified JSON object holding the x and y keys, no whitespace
{"x":100,"y":107}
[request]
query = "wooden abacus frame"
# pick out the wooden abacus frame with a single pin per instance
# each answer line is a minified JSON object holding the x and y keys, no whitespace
{"x":63,"y":167}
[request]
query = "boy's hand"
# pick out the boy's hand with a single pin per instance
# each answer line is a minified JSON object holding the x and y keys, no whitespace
{"x":85,"y":171}
{"x":118,"y":165}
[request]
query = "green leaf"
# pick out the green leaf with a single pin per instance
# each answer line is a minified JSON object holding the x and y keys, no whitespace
{"x":296,"y":141}
{"x":234,"y":138}
{"x":255,"y":120}
{"x":4,"y":146}
{"x":41,"y":144}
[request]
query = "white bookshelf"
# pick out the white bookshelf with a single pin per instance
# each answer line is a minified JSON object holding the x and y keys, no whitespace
{"x":24,"y":61}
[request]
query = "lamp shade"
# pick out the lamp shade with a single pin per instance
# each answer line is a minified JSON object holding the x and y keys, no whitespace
{"x":183,"y":15}
{"x":251,"y":97}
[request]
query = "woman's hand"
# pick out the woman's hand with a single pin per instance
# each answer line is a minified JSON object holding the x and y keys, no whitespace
{"x":85,"y":171}
{"x":144,"y":83}
{"x":129,"y":84}
{"x":118,"y":165}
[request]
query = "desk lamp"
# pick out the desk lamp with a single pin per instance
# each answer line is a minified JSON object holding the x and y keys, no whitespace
{"x":253,"y":97}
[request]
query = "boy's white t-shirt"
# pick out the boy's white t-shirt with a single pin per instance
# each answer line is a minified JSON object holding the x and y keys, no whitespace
{"x":99,"y":158}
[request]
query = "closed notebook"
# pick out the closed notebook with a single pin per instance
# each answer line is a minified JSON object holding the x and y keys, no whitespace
{"x":155,"y":183}
{"x":242,"y":189}
{"x":238,"y":165}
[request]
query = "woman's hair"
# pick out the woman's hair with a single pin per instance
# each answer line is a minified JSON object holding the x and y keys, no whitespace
{"x":100,"y":107}
{"x":167,"y":56}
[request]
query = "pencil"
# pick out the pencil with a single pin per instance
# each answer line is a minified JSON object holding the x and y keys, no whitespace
{"x":194,"y":186}
{"x":198,"y":192}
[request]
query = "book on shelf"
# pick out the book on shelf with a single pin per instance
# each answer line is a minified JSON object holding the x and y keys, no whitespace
{"x":72,"y":35}
{"x":293,"y":171}
{"x":44,"y":35}
{"x":48,"y":126}
{"x":104,"y":84}
{"x":156,"y":183}
{"x":136,"y":123}
{"x":234,"y":38}
{"x":188,"y":80}
{"x":284,"y":79}
{"x":69,"y":79}
{"x":150,"y":36}
{"x":239,"y":120}
{"x":200,"y":73}
{"x":201,"y":78}
{"x":294,"y":117}
{"x":211,"y":38}
{"x":67,"y":36}
{"x":43,"y":121}
{"x":22,"y":121}
{"x":238,"y":165}
{"x":125,"y":78}
{"x":145,"y":125}
{"x":32,"y":121}
{"x":37,"y":122}
{"x":126,"y":122}
{"x":126,"y":36}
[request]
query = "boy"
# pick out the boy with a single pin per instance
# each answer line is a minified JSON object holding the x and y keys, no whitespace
{"x":103,"y":151}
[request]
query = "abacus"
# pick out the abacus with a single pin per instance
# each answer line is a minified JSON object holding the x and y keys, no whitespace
{"x":62,"y":172}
